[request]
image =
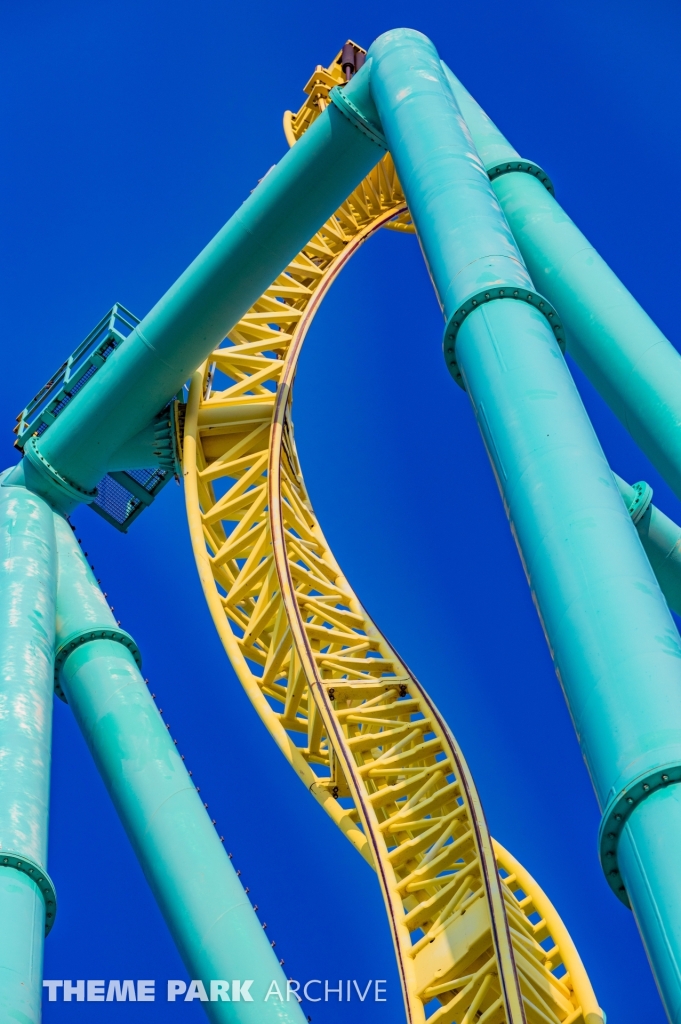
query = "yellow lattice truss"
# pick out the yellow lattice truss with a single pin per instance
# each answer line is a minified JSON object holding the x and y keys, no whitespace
{"x":475,"y":937}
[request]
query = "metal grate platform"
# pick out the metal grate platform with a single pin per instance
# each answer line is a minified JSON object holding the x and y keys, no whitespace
{"x":74,"y":374}
{"x":123,"y":496}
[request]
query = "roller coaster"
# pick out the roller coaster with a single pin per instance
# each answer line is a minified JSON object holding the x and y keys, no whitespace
{"x":387,"y":139}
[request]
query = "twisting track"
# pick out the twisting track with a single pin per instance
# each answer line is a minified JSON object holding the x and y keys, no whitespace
{"x":475,"y":937}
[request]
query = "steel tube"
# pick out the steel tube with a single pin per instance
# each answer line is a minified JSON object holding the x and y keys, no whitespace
{"x":27,"y":598}
{"x":286,"y":209}
{"x":649,"y":862}
{"x":137,"y":452}
{"x":202,"y":900}
{"x":611,"y":338}
{"x":661,"y":539}
{"x":615,"y":647}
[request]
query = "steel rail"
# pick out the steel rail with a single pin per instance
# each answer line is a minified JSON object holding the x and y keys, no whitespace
{"x":322,"y":695}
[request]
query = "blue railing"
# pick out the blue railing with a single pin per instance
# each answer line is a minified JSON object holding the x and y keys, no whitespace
{"x":78,"y":369}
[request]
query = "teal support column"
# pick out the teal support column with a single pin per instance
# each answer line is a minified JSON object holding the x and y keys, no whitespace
{"x":649,"y":862}
{"x":289,"y":205}
{"x":660,"y":536}
{"x":197,"y":889}
{"x":611,"y":338}
{"x":27,"y":599}
{"x":615,"y":647}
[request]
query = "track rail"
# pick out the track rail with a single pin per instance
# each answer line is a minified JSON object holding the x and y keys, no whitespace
{"x":475,"y":937}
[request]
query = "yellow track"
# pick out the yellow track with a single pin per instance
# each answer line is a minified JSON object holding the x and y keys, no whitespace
{"x":475,"y":937}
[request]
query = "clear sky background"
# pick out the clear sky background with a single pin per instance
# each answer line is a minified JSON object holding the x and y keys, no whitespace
{"x":131,"y":131}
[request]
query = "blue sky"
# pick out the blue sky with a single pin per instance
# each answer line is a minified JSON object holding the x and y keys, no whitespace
{"x":131,"y":132}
